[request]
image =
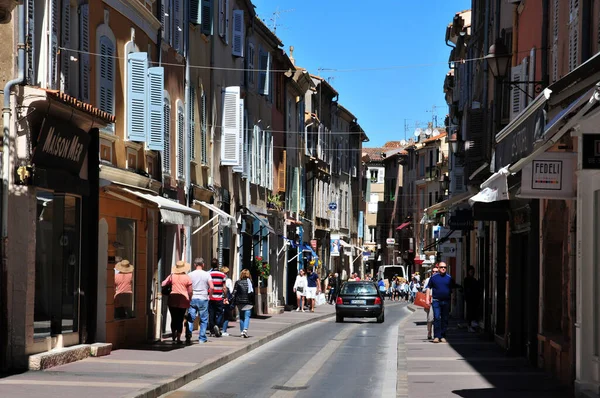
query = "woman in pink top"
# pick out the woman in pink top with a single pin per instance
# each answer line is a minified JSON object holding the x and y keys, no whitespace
{"x":123,"y":290}
{"x":179,"y":299}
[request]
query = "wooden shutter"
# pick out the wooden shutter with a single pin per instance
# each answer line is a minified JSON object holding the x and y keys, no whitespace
{"x":65,"y":39}
{"x":54,"y":22}
{"x":262,"y":73}
{"x":222,"y":18}
{"x":230,"y":126}
{"x":84,"y":47}
{"x":515,"y":94}
{"x":555,"y":32}
{"x":32,"y":45}
{"x":195,"y":11}
{"x":250,"y":64}
{"x":177,"y":25}
{"x":166,"y":17}
{"x":474,"y":148}
{"x":282,"y":171}
{"x":180,"y":142}
{"x":226,"y":21}
{"x":269,"y":166}
{"x":156,"y":123}
{"x":239,"y":168}
{"x":267,"y":87}
{"x":107,"y":75}
{"x":203,"y":131}
{"x":192,"y":123}
{"x":137,"y":101}
{"x":166,"y":154}
{"x":573,"y":34}
{"x":237,"y":47}
{"x":255,"y":154}
{"x":207,"y":17}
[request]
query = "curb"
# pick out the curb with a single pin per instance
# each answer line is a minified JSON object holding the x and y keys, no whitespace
{"x":178,"y":381}
{"x":402,"y":370}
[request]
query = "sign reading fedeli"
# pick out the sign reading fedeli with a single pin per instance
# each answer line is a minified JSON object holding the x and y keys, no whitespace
{"x":549,"y":176}
{"x":61,"y":145}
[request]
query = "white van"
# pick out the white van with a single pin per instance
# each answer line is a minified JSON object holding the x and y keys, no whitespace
{"x":386,"y":272}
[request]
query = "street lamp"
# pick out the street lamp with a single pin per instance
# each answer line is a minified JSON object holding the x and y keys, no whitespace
{"x":454,"y":143}
{"x":445,"y":182}
{"x":498,"y":59}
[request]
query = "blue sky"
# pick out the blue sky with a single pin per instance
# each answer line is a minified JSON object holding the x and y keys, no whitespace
{"x":407,"y":37}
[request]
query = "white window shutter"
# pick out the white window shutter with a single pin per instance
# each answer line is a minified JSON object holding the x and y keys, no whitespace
{"x":177,"y":25}
{"x":230,"y":126}
{"x":515,"y":94}
{"x":156,"y":123}
{"x":237,"y":47}
{"x":246,"y":157}
{"x":255,"y":148}
{"x":239,"y":168}
{"x":166,"y":154}
{"x":107,"y":75}
{"x":84,"y":46}
{"x":65,"y":40}
{"x":192,"y":123}
{"x":137,"y":101}
{"x":180,"y":142}
{"x":53,"y":44}
{"x":270,"y":166}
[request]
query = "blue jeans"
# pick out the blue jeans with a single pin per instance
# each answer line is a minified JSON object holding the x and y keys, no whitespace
{"x":215,"y":314}
{"x":441,"y":312}
{"x":198,"y":308}
{"x":244,"y":319}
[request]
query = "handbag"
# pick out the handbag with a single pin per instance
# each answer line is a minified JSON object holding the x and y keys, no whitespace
{"x":421,"y":300}
{"x":166,"y":289}
{"x":300,"y":289}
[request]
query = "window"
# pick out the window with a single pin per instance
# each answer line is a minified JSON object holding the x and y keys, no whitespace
{"x":430,"y":199}
{"x":166,"y":153}
{"x":57,"y":264}
{"x":250,"y":64}
{"x":264,"y":74}
{"x":373,"y":174}
{"x":180,"y":141}
{"x":132,"y":155}
{"x":125,"y":278}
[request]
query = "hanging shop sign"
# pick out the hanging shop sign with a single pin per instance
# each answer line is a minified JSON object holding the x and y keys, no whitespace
{"x":447,"y":249}
{"x":591,"y":151}
{"x":61,"y":145}
{"x":390,"y":241}
{"x":361,"y":225}
{"x":549,"y":176}
{"x":334,"y":250}
{"x":520,"y":142}
{"x":461,"y":220}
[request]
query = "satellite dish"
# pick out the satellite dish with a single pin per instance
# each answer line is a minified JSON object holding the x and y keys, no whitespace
{"x":418,"y":132}
{"x":403,"y":143}
{"x":436,"y":132}
{"x":428,"y":132}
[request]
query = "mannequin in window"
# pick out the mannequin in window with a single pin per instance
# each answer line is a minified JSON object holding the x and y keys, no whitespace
{"x":123,"y":289}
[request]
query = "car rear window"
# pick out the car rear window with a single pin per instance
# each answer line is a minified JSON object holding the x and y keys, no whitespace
{"x":359,"y":288}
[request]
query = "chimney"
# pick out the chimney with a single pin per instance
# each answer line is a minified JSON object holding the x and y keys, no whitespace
{"x":292,"y":55}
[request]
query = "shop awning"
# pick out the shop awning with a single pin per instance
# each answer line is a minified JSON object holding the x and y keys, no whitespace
{"x":217,"y":213}
{"x":455,"y":199}
{"x":261,"y":220}
{"x":171,"y":212}
{"x":402,"y":226}
{"x":493,"y":189}
{"x":308,"y":249}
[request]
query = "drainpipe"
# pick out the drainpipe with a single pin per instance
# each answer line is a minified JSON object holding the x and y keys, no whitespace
{"x":187,"y":139}
{"x":6,"y":118}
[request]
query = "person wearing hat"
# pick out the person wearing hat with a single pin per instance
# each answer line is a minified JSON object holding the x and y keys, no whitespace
{"x":179,"y":298}
{"x":123,"y":289}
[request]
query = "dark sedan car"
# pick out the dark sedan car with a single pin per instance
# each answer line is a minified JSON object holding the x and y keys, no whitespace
{"x":359,"y":300}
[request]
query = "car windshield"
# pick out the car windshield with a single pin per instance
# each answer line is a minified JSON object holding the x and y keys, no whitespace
{"x":359,"y":288}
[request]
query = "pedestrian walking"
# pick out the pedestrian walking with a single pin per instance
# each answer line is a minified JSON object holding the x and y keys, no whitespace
{"x":227,"y":307}
{"x":438,"y":295}
{"x":202,"y":288}
{"x":473,"y":293}
{"x":243,"y":298}
{"x":335,"y":288}
{"x":300,"y":286}
{"x":313,"y":288}
{"x":429,"y":310}
{"x":179,"y":298}
{"x":215,"y":304}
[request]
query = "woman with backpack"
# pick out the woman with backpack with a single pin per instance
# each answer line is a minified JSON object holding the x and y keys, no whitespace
{"x":243,"y":298}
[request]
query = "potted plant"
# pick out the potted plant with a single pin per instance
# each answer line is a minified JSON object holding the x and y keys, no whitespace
{"x":274,"y":202}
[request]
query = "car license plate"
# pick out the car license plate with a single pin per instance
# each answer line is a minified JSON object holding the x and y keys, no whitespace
{"x":363,"y":302}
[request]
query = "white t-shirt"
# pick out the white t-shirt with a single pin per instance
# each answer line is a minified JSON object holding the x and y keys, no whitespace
{"x":229,"y":285}
{"x":200,"y":285}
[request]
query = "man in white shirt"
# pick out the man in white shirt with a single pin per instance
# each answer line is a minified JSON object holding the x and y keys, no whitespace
{"x":202,"y":286}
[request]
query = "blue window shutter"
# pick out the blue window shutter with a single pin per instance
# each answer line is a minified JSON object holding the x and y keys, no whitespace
{"x":156,"y":114}
{"x":195,"y":12}
{"x":107,"y":75}
{"x":137,"y":72}
{"x":166,"y":155}
{"x":192,"y":123}
{"x":207,"y":17}
{"x":177,"y":25}
{"x":84,"y":46}
{"x":230,"y":126}
{"x":267,"y":74}
{"x":53,"y":30}
{"x":65,"y":62}
{"x":262,"y":74}
{"x":237,"y":47}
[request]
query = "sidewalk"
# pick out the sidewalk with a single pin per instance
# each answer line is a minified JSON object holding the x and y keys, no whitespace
{"x":155,"y":369}
{"x":468,"y":366}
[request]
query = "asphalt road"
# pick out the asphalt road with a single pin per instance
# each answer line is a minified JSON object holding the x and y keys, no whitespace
{"x":355,"y":359}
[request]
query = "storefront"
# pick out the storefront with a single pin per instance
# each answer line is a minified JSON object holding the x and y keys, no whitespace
{"x":52,"y":208}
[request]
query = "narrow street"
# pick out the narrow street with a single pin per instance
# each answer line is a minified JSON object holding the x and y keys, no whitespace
{"x":358,"y":356}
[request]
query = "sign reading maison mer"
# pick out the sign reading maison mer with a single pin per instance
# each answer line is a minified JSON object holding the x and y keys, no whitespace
{"x":61,"y":145}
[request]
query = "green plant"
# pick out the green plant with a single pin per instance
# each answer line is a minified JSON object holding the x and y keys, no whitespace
{"x":275,"y":202}
{"x":264,"y":269}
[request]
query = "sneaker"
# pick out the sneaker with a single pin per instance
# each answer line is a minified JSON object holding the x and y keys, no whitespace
{"x":436,"y":340}
{"x":444,"y":340}
{"x":303,"y":311}
{"x":245,"y":334}
{"x":429,"y":337}
{"x":202,"y":342}
{"x":224,"y":334}
{"x":216,"y":331}
{"x":188,"y":340}
{"x":297,"y":309}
